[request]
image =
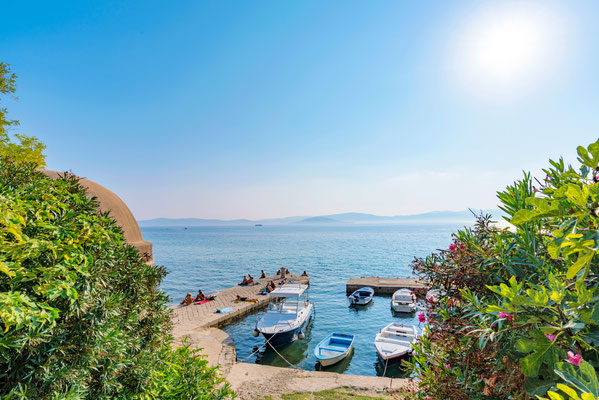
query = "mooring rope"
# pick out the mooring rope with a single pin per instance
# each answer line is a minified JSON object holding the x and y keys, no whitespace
{"x":386,"y":363}
{"x":258,"y":349}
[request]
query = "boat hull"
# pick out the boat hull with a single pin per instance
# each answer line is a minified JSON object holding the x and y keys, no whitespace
{"x":359,"y":302}
{"x":284,"y":337}
{"x":403,"y":308}
{"x":330,"y":361}
{"x":394,"y":357}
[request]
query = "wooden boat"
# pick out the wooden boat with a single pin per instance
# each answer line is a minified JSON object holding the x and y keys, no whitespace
{"x":403,"y":300}
{"x":361,"y":296}
{"x":333,"y":348}
{"x":395,"y":340}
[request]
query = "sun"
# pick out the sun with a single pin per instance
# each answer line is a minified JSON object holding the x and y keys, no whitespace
{"x":508,"y":47}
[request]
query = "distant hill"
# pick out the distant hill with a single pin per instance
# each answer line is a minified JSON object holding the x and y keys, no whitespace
{"x":343,"y":218}
{"x":318,"y":220}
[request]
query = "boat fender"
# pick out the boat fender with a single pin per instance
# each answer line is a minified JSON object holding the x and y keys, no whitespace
{"x":256,"y":333}
{"x":301,"y":335}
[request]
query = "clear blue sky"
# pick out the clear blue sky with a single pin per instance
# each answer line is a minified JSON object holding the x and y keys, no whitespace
{"x":252,"y":109}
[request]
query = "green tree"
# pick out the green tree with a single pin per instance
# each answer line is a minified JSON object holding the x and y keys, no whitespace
{"x":81,"y":312}
{"x":27,"y":148}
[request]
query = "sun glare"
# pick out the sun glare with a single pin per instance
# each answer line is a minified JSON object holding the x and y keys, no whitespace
{"x":508,"y":48}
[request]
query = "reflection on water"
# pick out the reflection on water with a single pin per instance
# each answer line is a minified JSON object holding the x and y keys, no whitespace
{"x":294,"y":352}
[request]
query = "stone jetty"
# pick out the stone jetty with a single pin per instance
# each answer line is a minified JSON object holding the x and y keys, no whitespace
{"x":384,"y":285}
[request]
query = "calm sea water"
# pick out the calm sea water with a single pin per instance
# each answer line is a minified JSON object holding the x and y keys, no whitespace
{"x":215,"y":258}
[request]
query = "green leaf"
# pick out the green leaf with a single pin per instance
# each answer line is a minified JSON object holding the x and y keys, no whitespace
{"x":583,"y":261}
{"x":532,"y":362}
{"x":525,"y":345}
{"x":577,"y":195}
{"x":583,"y":377}
{"x":568,"y":390}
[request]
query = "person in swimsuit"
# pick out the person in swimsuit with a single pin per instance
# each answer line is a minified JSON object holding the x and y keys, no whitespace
{"x":188,"y":299}
{"x":200,"y":297}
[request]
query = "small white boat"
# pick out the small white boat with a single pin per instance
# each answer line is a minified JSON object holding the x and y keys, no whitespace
{"x":333,"y":348}
{"x":404,"y":301}
{"x":284,"y":321}
{"x":395,"y":340}
{"x":361,"y":296}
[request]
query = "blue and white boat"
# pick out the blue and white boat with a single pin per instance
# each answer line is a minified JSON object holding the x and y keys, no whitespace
{"x":285,"y":320}
{"x":333,"y":348}
{"x":361,"y":296}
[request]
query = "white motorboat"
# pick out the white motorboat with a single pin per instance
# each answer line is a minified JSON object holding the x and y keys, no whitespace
{"x":395,"y":340}
{"x":404,"y":301}
{"x":285,"y":320}
{"x":333,"y":348}
{"x":361,"y":296}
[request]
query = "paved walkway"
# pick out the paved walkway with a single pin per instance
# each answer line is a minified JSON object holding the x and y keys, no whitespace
{"x":254,"y":381}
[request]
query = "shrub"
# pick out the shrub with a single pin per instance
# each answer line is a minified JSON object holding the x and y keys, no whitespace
{"x":521,"y":310}
{"x":81,"y":313}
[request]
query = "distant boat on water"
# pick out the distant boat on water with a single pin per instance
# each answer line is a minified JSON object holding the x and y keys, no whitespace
{"x":258,"y":225}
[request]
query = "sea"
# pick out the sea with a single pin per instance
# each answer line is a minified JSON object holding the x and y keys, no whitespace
{"x":217,"y":257}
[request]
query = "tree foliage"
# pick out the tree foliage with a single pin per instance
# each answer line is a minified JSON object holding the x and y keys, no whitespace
{"x":81,"y":315}
{"x":26,"y":148}
{"x":520,"y":317}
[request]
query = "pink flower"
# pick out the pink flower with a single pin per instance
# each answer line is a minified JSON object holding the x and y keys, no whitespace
{"x":447,"y":367}
{"x":506,"y":316}
{"x":452,"y":247}
{"x":430,"y":299}
{"x":428,"y":397}
{"x":421,"y":317}
{"x":550,"y":337}
{"x":574,"y":358}
{"x":483,"y":376}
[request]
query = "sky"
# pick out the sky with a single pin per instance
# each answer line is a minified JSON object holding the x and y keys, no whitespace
{"x":264,"y":109}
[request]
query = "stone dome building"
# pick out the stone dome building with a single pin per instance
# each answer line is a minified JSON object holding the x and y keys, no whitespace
{"x":109,"y":201}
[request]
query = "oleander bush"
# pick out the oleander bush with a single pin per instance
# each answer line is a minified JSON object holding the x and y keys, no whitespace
{"x":519,"y":317}
{"x":81,"y":315}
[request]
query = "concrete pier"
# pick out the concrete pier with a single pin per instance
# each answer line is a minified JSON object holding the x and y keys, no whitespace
{"x":384,"y":285}
{"x":201,"y":316}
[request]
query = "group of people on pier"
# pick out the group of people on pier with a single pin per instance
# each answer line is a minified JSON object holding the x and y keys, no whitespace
{"x":247,"y":280}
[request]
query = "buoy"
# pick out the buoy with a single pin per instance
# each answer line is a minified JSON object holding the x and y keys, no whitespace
{"x":301,"y":335}
{"x":256,"y":333}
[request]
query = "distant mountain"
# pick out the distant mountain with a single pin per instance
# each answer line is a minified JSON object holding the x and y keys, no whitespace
{"x":318,"y":221}
{"x":343,"y":218}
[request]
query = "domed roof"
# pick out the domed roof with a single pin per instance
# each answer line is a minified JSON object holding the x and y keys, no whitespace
{"x":109,"y":201}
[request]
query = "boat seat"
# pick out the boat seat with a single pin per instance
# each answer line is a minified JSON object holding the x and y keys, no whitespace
{"x":346,"y":342}
{"x":391,"y":340}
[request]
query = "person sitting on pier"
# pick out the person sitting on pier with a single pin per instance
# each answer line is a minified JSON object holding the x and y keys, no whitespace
{"x":272,"y":285}
{"x":244,"y":281}
{"x":200,"y":297}
{"x":250,"y":281}
{"x":305,"y":273}
{"x":250,"y":277}
{"x":263,"y":274}
{"x":188,"y":299}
